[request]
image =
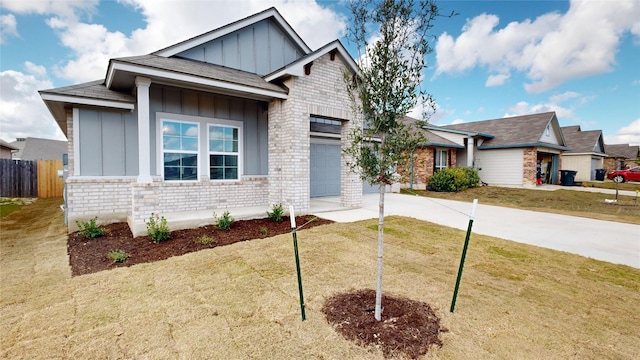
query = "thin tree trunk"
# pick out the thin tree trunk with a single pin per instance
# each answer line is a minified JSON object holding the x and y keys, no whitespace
{"x":378,"y":309}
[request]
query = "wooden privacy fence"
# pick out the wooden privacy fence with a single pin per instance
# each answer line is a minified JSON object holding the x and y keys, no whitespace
{"x":26,"y":178}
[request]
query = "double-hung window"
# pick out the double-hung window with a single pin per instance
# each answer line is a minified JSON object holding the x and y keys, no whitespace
{"x":223,"y":152}
{"x":441,"y":160}
{"x":180,"y":150}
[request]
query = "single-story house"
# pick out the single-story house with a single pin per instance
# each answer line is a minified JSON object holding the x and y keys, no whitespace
{"x":621,"y":156}
{"x":435,"y":154}
{"x":6,"y":150}
{"x":521,"y":150}
{"x":31,"y":148}
{"x":220,"y":121}
{"x":586,"y":152}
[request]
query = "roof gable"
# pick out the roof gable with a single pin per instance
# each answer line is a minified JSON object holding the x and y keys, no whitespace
{"x":583,"y":142}
{"x":261,"y":44}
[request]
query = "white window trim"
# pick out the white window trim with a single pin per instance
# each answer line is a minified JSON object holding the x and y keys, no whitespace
{"x":162,"y":150}
{"x":438,"y":157}
{"x":233,"y":124}
{"x":203,"y":143}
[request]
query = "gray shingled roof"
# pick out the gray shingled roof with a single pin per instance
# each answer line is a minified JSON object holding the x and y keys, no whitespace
{"x":623,"y":151}
{"x":203,"y":70}
{"x":516,"y":131}
{"x":7,"y":145}
{"x":436,"y":140}
{"x":91,"y":90}
{"x":581,"y":141}
{"x":40,"y":149}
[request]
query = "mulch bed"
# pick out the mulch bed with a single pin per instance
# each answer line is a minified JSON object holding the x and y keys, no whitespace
{"x":88,"y":256}
{"x":408,"y":328}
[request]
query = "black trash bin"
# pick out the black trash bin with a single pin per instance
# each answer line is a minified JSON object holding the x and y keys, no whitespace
{"x":567,"y":177}
{"x":600,"y":173}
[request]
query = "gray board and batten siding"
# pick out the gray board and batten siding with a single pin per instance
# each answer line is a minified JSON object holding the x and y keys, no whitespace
{"x":109,"y":139}
{"x":108,"y":143}
{"x":260,"y":48}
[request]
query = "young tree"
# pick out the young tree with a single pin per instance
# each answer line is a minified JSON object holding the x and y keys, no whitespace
{"x":391,"y":37}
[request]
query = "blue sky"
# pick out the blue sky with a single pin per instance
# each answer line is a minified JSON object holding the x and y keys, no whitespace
{"x":495,"y":59}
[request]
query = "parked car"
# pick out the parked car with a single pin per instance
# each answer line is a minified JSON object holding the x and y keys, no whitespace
{"x":632,"y":174}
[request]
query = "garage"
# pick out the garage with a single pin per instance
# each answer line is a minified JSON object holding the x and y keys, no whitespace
{"x":325,"y":169}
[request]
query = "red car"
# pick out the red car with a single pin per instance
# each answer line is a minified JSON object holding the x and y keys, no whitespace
{"x":632,"y":174}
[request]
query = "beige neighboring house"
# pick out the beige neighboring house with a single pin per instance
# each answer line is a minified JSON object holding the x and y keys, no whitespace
{"x":586,"y":154}
{"x":621,"y":156}
{"x":31,"y":148}
{"x":7,"y":150}
{"x":234,"y":118}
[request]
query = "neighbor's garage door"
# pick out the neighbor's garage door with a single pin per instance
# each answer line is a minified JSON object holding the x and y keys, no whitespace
{"x":325,"y":170}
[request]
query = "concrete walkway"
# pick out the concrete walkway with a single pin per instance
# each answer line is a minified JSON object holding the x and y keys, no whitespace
{"x":603,"y":240}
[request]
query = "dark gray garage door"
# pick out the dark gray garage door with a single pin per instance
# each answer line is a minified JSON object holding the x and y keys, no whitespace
{"x":325,"y":170}
{"x":369,"y":189}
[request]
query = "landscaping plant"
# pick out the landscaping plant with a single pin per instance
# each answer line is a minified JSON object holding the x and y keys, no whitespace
{"x":90,"y":229}
{"x":276,"y":212}
{"x":224,"y":222}
{"x":117,"y":256}
{"x":454,"y":179}
{"x":205,"y":240}
{"x":157,"y":228}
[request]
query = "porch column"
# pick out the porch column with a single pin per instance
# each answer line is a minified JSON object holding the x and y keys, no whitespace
{"x":144,"y":142}
{"x":470,"y":146}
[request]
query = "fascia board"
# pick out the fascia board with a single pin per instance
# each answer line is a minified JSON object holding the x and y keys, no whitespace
{"x":156,"y":73}
{"x":87,"y":101}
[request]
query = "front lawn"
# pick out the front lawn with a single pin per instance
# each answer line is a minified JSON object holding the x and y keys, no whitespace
{"x":241,"y":301}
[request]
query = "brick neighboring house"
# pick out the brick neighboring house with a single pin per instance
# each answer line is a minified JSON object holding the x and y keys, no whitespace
{"x":586,"y":153}
{"x":520,"y":150}
{"x":219,"y":121}
{"x":621,"y":156}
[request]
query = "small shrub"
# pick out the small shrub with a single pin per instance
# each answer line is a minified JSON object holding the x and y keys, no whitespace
{"x":117,"y":256}
{"x":157,"y":228}
{"x":90,"y":229}
{"x":276,"y":212}
{"x":224,"y":222}
{"x":205,"y":240}
{"x":454,"y":179}
{"x":264,"y":231}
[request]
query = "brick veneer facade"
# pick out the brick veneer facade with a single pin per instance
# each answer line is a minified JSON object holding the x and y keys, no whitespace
{"x":530,"y":163}
{"x":320,"y":93}
{"x":423,"y":169}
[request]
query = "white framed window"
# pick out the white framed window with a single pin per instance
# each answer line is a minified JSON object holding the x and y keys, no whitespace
{"x":180,"y":149}
{"x":441,"y":160}
{"x":224,"y":152}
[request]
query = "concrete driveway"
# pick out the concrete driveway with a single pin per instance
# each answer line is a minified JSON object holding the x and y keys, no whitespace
{"x":603,"y":240}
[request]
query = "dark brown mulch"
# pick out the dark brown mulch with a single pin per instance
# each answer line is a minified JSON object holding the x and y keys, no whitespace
{"x":407,"y":328}
{"x":87,"y":256}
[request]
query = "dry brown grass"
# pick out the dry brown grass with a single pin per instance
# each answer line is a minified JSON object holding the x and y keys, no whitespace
{"x":566,"y":202}
{"x":241,"y":301}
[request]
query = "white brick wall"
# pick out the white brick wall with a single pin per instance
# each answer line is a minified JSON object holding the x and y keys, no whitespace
{"x":323,"y":93}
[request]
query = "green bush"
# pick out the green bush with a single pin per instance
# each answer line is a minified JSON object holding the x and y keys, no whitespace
{"x":90,"y":229}
{"x":157,"y":228}
{"x":117,"y":256}
{"x":276,"y":212}
{"x":224,"y":222}
{"x":264,"y":231}
{"x":454,"y":179}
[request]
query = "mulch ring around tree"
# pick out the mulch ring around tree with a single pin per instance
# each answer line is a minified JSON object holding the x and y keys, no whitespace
{"x":408,"y":328}
{"x":88,"y":256}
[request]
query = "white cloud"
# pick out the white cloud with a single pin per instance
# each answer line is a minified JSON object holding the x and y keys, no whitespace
{"x":457,"y":121}
{"x":170,"y":21}
{"x":8,"y":27}
{"x":22,"y":112}
{"x":496,"y":80}
{"x":627,"y":135}
{"x":552,"y":49}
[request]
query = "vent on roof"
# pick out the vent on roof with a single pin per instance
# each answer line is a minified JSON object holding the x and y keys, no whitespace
{"x":20,"y":139}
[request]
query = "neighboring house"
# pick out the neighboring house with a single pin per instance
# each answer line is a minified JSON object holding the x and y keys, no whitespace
{"x":39,"y":149}
{"x":436,"y":154}
{"x":621,"y":156}
{"x":586,"y":153}
{"x":220,"y":121}
{"x":520,"y":150}
{"x":6,"y":150}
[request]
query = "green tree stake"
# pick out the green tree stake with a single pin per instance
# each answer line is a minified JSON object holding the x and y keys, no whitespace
{"x":295,"y":248}
{"x":464,"y":254}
